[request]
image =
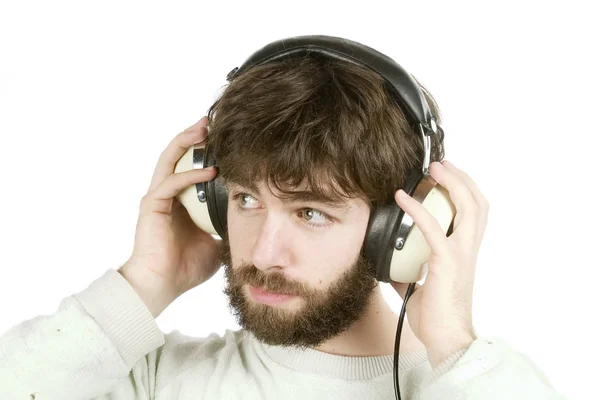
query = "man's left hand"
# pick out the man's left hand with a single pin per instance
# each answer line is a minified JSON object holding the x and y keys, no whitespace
{"x":440,"y":310}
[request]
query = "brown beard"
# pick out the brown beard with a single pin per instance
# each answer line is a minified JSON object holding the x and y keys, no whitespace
{"x":324,"y":314}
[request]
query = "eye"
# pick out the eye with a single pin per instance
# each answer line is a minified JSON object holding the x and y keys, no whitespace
{"x":245,"y":201}
{"x":314,"y":217}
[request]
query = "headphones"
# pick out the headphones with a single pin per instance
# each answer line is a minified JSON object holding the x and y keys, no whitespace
{"x":393,"y":244}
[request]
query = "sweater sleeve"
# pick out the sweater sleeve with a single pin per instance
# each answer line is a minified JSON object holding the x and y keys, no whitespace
{"x":488,"y":369}
{"x":94,"y":345}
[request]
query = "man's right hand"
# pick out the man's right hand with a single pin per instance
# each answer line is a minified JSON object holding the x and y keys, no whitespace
{"x":171,"y":254}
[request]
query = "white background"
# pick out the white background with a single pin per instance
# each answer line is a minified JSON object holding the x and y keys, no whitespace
{"x":91,"y":93}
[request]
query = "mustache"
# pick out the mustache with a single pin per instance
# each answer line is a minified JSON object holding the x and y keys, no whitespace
{"x":272,"y":282}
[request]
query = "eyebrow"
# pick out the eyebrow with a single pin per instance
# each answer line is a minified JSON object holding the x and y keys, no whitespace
{"x":298,"y":197}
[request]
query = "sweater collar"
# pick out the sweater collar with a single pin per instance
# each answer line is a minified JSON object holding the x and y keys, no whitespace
{"x":336,"y":366}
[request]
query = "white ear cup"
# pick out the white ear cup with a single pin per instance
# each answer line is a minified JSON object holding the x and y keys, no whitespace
{"x":197,"y":210}
{"x":406,"y":263}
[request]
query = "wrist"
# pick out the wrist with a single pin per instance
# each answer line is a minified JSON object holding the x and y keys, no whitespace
{"x":153,"y":293}
{"x":440,"y":350}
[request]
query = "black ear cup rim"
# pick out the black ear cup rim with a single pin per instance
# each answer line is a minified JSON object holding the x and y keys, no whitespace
{"x":385,"y":221}
{"x":382,"y":229}
{"x":217,"y":197}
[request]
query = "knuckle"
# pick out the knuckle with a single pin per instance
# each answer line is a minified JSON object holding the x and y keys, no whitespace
{"x":150,"y":204}
{"x":181,"y":136}
{"x":145,"y":200}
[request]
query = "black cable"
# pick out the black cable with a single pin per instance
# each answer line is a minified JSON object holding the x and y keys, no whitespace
{"x":409,"y":292}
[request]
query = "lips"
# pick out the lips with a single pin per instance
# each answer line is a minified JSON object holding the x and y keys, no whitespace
{"x":270,"y":298}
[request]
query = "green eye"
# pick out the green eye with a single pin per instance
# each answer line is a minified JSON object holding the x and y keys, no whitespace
{"x":245,"y":202}
{"x":312,"y":215}
{"x":246,"y":199}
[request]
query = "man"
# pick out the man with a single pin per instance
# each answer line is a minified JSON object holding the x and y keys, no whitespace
{"x":307,"y":148}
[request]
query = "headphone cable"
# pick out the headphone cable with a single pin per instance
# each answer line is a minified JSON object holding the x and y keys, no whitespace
{"x":409,"y":292}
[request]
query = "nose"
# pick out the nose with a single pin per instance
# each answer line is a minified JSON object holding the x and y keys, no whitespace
{"x":272,"y":249}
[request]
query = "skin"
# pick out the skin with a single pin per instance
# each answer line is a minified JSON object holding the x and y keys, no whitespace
{"x":274,"y":237}
{"x":440,"y":311}
{"x":305,"y":248}
{"x":273,"y":243}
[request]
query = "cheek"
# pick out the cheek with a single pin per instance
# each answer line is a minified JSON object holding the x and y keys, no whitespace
{"x":240,"y":233}
{"x":327,"y":258}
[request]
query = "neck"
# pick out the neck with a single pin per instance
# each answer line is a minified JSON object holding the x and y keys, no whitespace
{"x":373,"y":334}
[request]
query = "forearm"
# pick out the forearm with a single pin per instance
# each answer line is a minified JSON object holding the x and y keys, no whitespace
{"x":488,"y":369}
{"x":85,"y":349}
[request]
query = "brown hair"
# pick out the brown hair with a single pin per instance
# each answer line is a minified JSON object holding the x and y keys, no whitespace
{"x":326,"y":124}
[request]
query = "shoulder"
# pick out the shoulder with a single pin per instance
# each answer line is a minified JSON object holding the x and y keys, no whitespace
{"x":184,"y":348}
{"x":182,"y":355}
{"x":210,"y":357}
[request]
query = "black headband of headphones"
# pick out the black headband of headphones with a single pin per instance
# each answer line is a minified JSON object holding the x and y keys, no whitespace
{"x":402,"y":87}
{"x":405,"y":89}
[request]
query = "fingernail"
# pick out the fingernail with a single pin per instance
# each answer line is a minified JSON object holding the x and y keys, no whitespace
{"x":402,"y":194}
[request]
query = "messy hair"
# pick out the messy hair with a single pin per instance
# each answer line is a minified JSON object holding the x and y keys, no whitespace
{"x":326,"y":126}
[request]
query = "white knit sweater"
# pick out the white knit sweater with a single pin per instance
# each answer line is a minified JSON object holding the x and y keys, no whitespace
{"x":103,"y":343}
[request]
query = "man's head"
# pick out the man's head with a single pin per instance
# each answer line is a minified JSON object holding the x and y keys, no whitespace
{"x":289,"y":248}
{"x":307,"y":148}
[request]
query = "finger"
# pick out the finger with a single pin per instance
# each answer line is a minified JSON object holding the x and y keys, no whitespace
{"x":467,"y":210}
{"x":202,"y":123}
{"x":161,"y":198}
{"x":428,"y":225}
{"x":176,"y":148}
{"x":475,"y":191}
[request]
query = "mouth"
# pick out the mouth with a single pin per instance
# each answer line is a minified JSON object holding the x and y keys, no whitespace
{"x":269,"y":298}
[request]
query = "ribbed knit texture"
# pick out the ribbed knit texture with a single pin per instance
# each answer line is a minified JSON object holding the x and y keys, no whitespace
{"x":102,"y":343}
{"x":116,"y":307}
{"x":341,"y":367}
